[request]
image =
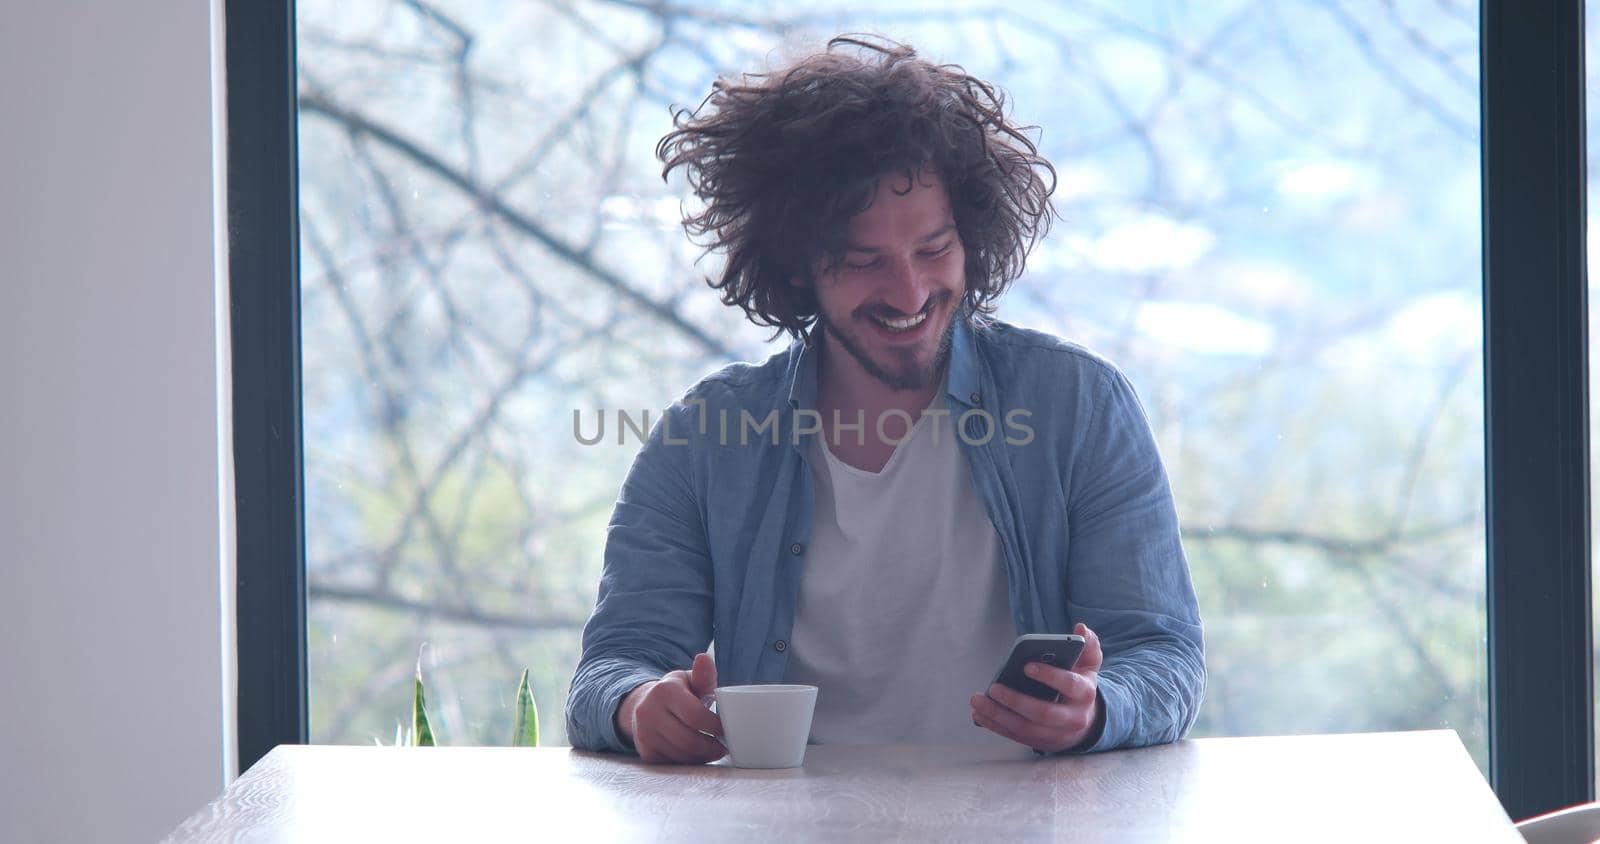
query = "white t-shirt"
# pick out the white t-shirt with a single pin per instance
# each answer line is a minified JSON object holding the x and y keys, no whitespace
{"x":903,"y":612}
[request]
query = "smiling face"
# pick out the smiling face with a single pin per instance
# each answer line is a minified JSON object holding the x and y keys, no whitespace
{"x":890,"y":305}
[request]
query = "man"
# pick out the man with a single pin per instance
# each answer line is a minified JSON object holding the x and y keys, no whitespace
{"x":880,"y":510}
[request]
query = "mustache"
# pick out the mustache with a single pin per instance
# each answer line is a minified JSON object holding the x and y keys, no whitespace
{"x":886,"y":312}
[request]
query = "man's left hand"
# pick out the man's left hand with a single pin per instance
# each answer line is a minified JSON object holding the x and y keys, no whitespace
{"x":1042,"y":725}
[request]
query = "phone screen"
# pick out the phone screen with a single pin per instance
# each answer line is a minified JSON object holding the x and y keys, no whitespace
{"x":1051,"y":649}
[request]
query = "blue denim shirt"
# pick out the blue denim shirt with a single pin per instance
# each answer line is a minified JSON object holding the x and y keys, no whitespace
{"x":708,"y":539}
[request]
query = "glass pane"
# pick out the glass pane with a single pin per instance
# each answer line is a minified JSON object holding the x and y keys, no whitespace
{"x":1270,"y":222}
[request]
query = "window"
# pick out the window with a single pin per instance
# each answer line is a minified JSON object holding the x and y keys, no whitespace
{"x":487,"y":247}
{"x":1271,"y":221}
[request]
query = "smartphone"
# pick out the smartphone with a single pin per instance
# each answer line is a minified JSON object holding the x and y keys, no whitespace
{"x":1060,"y":649}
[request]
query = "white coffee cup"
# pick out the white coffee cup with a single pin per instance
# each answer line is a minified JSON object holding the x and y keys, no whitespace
{"x":766,"y":726}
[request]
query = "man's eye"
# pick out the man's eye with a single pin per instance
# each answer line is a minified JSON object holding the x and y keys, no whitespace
{"x":866,"y":266}
{"x":938,"y":253}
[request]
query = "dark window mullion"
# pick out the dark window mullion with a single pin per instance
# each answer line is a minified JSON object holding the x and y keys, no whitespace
{"x":264,"y":305}
{"x":1541,"y":733}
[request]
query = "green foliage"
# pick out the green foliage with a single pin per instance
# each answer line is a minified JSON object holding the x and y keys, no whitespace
{"x":525,"y":733}
{"x":421,"y":732}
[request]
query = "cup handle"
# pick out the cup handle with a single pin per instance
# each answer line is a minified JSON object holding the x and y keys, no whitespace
{"x":710,"y":702}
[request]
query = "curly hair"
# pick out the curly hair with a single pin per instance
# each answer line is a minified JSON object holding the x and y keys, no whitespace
{"x":783,"y":160}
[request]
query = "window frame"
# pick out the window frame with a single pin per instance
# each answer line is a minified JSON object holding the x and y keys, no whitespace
{"x":264,"y":321}
{"x":1535,"y":393}
{"x":1536,"y":427}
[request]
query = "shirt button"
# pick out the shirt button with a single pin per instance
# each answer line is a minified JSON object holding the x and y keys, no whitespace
{"x":780,"y":646}
{"x":795,"y":549}
{"x":977,"y":398}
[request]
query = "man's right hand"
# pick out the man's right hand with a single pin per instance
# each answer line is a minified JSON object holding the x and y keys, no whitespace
{"x":665,"y":718}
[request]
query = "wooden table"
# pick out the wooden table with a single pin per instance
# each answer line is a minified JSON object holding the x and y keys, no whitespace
{"x":1419,"y":786}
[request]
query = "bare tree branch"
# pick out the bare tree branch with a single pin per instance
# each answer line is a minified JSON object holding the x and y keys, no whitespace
{"x":315,"y":104}
{"x":443,"y":611}
{"x":1350,"y":546}
{"x":1395,"y":77}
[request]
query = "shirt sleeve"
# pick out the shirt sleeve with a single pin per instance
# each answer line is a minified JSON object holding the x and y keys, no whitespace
{"x":1128,"y":578}
{"x":654,"y":609}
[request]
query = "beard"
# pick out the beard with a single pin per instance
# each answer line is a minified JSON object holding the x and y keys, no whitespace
{"x":905,"y":372}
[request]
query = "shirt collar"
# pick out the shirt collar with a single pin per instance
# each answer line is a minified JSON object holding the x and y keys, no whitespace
{"x":803,"y":359}
{"x":962,"y":381}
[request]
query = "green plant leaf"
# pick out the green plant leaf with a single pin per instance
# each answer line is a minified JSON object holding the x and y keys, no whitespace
{"x":526,"y":731}
{"x":422,"y":734}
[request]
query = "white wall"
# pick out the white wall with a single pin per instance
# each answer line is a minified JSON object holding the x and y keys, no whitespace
{"x":111,"y":650}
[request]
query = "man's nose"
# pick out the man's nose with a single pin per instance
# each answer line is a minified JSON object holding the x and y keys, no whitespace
{"x":907,"y":287}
